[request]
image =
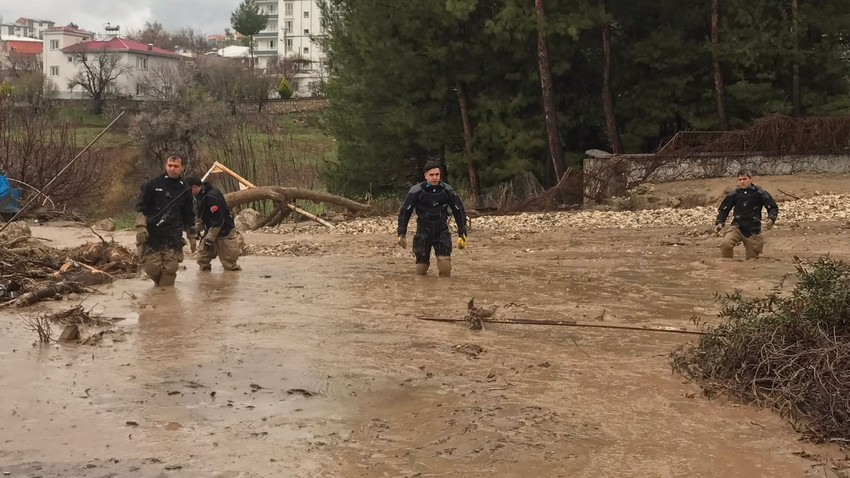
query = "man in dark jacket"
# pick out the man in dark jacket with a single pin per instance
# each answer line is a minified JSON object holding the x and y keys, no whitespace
{"x":221,"y":238}
{"x":746,"y":202}
{"x":164,"y":212}
{"x":432,"y":200}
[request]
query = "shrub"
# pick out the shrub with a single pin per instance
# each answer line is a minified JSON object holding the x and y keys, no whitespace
{"x":789,"y":352}
{"x":284,"y":90}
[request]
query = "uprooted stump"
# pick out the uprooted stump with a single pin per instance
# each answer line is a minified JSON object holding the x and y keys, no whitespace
{"x":787,"y":351}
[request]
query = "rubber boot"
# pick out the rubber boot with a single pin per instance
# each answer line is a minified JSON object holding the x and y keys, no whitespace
{"x":153,"y":270}
{"x":167,"y":279}
{"x":444,"y":265}
{"x":422,"y":269}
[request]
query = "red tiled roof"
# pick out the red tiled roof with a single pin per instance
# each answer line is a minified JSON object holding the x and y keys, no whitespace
{"x":118,"y":45}
{"x":23,"y":47}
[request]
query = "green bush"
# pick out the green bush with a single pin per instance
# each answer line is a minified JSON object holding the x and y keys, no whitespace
{"x":786,"y":351}
{"x":284,"y":90}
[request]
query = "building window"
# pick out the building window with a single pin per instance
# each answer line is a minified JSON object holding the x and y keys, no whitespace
{"x":306,"y":31}
{"x":141,"y":63}
{"x":287,"y":26}
{"x":287,"y":8}
{"x":306,"y":14}
{"x":54,"y":71}
{"x":140,"y":90}
{"x":271,"y":26}
{"x":306,"y":50}
{"x":288,"y":44}
{"x":272,"y":9}
{"x":70,"y":59}
{"x":54,"y":44}
{"x":271,"y":44}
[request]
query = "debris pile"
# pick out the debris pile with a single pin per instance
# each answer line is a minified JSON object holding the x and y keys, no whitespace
{"x":789,"y":351}
{"x":32,"y":274}
{"x":475,"y":316}
{"x":75,"y":322}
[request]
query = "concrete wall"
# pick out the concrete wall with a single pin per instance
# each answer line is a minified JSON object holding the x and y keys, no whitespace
{"x":611,"y":176}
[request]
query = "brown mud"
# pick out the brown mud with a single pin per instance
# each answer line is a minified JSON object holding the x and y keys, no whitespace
{"x":318,"y":366}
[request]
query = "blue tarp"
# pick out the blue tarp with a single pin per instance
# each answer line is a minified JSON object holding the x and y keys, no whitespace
{"x":9,"y":197}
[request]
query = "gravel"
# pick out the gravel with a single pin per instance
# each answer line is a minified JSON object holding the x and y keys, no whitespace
{"x":815,"y":209}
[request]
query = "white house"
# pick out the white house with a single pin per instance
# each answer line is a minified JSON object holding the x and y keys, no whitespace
{"x":65,"y":49}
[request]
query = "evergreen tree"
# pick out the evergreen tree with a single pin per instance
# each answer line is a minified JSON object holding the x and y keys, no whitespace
{"x":248,"y":21}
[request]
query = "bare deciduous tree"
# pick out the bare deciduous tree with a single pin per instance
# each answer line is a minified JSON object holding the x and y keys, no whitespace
{"x":164,"y":81}
{"x":98,"y":72}
{"x":34,"y":147}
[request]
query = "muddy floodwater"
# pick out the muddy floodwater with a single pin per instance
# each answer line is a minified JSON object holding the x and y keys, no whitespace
{"x":319,"y":365}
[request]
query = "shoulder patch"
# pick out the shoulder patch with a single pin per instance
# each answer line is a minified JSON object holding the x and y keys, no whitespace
{"x":213,"y":208}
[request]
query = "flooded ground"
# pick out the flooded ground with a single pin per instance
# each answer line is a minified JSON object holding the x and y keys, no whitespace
{"x":319,"y":365}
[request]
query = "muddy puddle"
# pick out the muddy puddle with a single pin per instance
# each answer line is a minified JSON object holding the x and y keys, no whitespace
{"x":318,"y":366}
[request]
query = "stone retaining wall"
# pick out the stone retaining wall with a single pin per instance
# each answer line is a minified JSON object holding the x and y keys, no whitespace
{"x":613,"y":175}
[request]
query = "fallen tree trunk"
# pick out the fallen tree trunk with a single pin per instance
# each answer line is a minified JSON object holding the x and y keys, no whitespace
{"x":285,"y":195}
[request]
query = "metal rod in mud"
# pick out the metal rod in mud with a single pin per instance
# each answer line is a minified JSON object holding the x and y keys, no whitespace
{"x":573,"y":323}
{"x":46,"y":189}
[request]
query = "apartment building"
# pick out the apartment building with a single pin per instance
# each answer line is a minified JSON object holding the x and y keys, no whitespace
{"x":35,"y":28}
{"x":64,"y":45}
{"x":26,"y":27}
{"x":290,"y":34}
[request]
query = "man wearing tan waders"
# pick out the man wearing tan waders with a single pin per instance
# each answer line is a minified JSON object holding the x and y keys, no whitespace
{"x":746,"y":202}
{"x":165,"y":211}
{"x":433,"y":201}
{"x":221,"y":238}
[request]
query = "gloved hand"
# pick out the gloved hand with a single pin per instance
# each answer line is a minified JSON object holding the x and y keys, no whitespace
{"x":402,"y":242}
{"x":718,"y":228}
{"x":209,"y":244}
{"x":461,"y":242}
{"x":141,"y":229}
{"x":768,"y":225}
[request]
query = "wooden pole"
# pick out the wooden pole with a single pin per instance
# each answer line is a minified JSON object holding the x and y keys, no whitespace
{"x":573,"y":323}
{"x":248,"y":184}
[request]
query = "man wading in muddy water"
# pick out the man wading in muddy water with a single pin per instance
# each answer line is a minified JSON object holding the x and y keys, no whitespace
{"x":165,"y":211}
{"x":221,"y":238}
{"x":432,"y":199}
{"x":747,"y":201}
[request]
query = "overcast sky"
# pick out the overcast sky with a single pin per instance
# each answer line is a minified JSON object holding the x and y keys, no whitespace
{"x":207,"y":16}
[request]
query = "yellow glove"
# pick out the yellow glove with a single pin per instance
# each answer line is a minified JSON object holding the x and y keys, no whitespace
{"x":461,"y":242}
{"x":402,"y":242}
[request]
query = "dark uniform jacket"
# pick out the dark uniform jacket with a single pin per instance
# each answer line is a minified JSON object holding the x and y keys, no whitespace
{"x":432,"y":205}
{"x":747,"y":204}
{"x":167,"y":205}
{"x":213,"y":210}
